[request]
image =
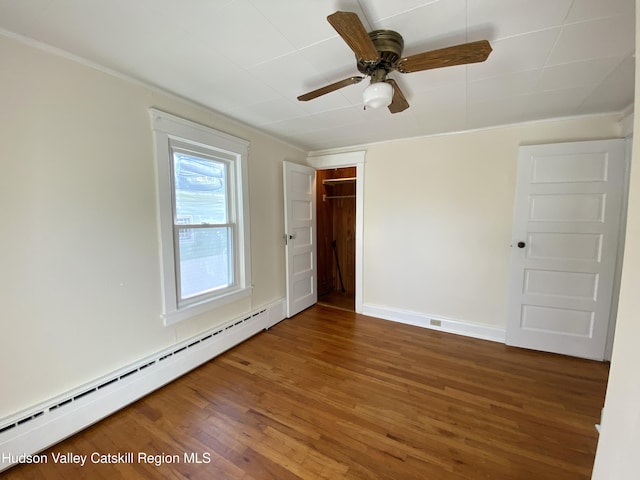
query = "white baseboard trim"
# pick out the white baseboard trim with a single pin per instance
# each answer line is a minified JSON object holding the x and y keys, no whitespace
{"x":33,"y":430}
{"x":433,"y":322}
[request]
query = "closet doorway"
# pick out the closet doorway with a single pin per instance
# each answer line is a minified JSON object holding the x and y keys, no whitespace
{"x":336,"y":235}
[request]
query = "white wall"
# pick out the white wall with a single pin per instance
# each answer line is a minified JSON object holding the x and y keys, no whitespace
{"x":438,"y":214}
{"x":79,"y":253}
{"x":619,"y":445}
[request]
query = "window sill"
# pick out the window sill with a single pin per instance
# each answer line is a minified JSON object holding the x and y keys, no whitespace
{"x":189,"y":311}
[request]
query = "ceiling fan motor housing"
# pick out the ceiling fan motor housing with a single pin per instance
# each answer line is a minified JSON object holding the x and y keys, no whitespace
{"x":389,"y":45}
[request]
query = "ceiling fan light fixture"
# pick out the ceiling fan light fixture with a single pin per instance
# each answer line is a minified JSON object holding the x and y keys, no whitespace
{"x":377,"y":95}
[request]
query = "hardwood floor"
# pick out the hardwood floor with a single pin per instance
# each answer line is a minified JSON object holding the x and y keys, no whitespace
{"x":337,"y":299}
{"x":331,"y":394}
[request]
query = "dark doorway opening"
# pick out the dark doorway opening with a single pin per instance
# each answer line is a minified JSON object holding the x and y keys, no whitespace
{"x":336,"y":223}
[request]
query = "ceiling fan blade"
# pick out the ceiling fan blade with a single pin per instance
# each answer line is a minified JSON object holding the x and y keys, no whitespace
{"x":398,"y":102}
{"x":329,"y":88}
{"x":446,"y":57}
{"x":352,"y":31}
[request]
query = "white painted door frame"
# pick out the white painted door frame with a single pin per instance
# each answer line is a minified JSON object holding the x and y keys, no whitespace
{"x":621,"y":240}
{"x":340,"y":160}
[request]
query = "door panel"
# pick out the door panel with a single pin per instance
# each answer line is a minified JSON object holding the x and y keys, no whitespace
{"x":561,"y":284}
{"x":557,"y":321}
{"x":567,"y":208}
{"x":300,"y":237}
{"x":565,"y":243}
{"x":585,"y":167}
{"x":564,"y":246}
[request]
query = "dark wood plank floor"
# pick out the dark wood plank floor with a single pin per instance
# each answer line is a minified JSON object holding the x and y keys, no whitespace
{"x":334,"y":395}
{"x":337,"y":299}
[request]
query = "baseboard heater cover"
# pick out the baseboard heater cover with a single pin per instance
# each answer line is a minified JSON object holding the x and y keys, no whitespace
{"x":44,"y":425}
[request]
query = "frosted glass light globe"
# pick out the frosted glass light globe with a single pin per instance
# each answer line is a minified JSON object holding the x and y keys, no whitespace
{"x":377,"y":95}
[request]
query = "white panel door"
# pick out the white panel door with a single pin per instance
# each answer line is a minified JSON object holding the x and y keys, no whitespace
{"x":565,"y":244}
{"x":300,"y":236}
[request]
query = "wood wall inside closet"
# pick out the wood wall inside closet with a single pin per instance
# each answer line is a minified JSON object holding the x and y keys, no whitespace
{"x":336,"y":217}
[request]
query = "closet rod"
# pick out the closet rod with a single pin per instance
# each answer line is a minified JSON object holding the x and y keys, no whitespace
{"x":329,"y":197}
{"x":329,"y":181}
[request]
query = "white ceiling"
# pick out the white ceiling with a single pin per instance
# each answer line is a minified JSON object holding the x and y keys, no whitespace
{"x":250,"y":59}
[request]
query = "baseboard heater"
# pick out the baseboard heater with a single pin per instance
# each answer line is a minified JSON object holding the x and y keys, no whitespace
{"x":33,"y":430}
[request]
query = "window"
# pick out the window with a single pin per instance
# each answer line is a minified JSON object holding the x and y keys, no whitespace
{"x":204,"y":230}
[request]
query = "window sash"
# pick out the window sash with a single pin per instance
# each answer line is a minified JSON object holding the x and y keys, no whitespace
{"x":203,"y":273}
{"x":193,"y":185}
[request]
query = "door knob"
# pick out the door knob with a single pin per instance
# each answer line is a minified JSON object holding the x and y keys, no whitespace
{"x":521,"y":244}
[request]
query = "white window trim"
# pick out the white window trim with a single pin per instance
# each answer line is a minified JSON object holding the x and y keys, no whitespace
{"x":167,"y":127}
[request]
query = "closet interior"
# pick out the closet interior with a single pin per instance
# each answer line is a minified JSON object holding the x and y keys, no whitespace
{"x":336,"y":226}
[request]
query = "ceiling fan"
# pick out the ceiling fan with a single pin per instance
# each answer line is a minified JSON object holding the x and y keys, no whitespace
{"x":380,"y":52}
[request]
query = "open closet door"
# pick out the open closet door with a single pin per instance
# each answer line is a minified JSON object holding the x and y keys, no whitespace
{"x":300,"y":237}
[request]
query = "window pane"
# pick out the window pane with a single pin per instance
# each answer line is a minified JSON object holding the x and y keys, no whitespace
{"x":205,"y":257}
{"x":200,"y":190}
